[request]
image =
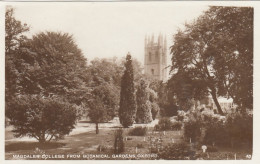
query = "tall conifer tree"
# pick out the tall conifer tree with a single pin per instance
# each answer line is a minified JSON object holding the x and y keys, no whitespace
{"x":127,"y":109}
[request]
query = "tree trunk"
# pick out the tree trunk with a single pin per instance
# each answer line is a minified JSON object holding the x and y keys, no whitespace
{"x":214,"y":96}
{"x":97,"y":131}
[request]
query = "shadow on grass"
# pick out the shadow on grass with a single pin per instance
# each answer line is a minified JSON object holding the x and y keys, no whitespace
{"x":32,"y":145}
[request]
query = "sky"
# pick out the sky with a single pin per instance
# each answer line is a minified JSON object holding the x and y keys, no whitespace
{"x":106,"y":30}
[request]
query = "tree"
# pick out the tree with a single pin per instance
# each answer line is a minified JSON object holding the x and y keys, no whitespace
{"x":49,"y":65}
{"x":103,"y":104}
{"x":153,"y":98}
{"x":143,"y":114}
{"x":208,"y":48}
{"x":127,"y":107}
{"x":14,"y":39}
{"x":41,"y":118}
{"x":14,"y":30}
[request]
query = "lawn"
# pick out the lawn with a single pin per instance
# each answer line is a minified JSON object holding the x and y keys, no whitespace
{"x":86,"y":145}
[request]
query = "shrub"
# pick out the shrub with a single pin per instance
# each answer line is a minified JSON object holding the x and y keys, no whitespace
{"x":192,"y":127}
{"x":119,"y":145}
{"x":240,"y":129}
{"x":176,"y":125}
{"x":41,"y":118}
{"x":211,"y":149}
{"x":215,"y":133}
{"x":102,"y":148}
{"x":138,"y":131}
{"x":180,"y":115}
{"x":176,"y":151}
{"x":163,"y":124}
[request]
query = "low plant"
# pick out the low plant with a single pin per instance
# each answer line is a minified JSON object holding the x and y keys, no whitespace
{"x":176,"y":151}
{"x":102,"y":148}
{"x":138,"y":131}
{"x":163,"y":124}
{"x":176,"y":125}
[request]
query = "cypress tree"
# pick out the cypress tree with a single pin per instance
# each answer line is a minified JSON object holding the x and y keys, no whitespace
{"x":143,"y":114}
{"x":127,"y":109}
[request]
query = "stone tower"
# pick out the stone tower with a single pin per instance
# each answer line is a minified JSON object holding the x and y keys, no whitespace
{"x":155,"y":59}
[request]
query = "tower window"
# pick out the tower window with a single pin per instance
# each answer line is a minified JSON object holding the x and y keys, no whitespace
{"x":157,"y":56}
{"x":150,"y":56}
{"x":152,"y":70}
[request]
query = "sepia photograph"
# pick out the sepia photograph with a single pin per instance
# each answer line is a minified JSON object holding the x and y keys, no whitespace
{"x":128,"y":81}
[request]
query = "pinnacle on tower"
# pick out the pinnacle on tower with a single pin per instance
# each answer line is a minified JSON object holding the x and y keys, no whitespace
{"x":165,"y":43}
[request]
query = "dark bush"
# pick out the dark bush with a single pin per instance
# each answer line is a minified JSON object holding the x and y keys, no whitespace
{"x":138,"y":131}
{"x":240,"y":129}
{"x":192,"y":130}
{"x":119,"y":145}
{"x":216,"y":133}
{"x":163,"y":124}
{"x":211,"y":149}
{"x":176,"y":125}
{"x":176,"y":151}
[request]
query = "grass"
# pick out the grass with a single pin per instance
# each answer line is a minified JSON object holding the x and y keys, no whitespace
{"x":88,"y":142}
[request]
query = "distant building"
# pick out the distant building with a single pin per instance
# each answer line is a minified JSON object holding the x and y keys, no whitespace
{"x":155,"y":59}
{"x":226,"y":104}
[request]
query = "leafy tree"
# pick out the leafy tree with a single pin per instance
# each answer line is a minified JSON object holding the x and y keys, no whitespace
{"x":106,"y":70}
{"x":208,"y":48}
{"x":49,"y":65}
{"x":14,"y":39}
{"x":127,"y":108}
{"x":143,"y":114}
{"x":103,"y":104}
{"x":41,"y":118}
{"x":14,"y":30}
{"x":234,"y":47}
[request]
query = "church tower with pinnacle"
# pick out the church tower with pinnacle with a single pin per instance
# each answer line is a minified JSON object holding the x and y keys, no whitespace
{"x":155,"y":59}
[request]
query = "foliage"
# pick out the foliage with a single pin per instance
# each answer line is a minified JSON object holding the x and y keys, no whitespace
{"x":192,"y":127}
{"x":177,"y":125}
{"x":119,"y":145}
{"x":48,"y":66}
{"x":14,"y":30}
{"x":106,"y":71}
{"x":107,"y":95}
{"x":154,"y":109}
{"x":14,"y":38}
{"x":127,"y":109}
{"x":215,"y":53}
{"x":180,"y":115}
{"x":97,"y":112}
{"x":240,"y":129}
{"x":42,"y":118}
{"x":138,"y":131}
{"x":166,"y":100}
{"x":163,"y":124}
{"x":102,"y":148}
{"x":143,"y":113}
{"x":216,"y":132}
{"x":153,"y":98}
{"x":176,"y":151}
